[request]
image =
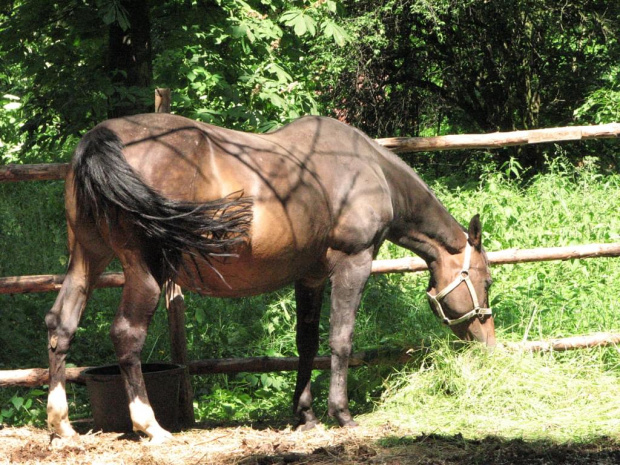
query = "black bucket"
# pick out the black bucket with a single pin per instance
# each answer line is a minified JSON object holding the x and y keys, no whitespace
{"x":108,"y":399}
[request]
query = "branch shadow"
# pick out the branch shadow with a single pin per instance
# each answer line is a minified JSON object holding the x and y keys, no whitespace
{"x":449,"y":449}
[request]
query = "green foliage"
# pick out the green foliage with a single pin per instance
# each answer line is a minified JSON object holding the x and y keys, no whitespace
{"x":242,"y":69}
{"x":434,"y":67}
{"x":246,"y":397}
{"x":10,"y":119}
{"x":391,"y":68}
{"x":241,"y":64}
{"x":50,"y":54}
{"x":25,"y":408}
{"x":603,"y":104}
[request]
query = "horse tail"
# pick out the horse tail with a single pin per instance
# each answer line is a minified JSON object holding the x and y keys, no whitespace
{"x":106,"y":186}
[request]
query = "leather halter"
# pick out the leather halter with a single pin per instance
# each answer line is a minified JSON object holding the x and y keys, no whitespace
{"x":435,"y":301}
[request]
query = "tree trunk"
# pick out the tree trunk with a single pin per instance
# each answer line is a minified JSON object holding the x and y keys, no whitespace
{"x":130,"y":60}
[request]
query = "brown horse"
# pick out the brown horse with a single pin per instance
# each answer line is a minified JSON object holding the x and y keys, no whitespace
{"x":230,"y":214}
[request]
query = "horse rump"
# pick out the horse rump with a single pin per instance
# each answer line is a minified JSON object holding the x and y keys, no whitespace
{"x":105,"y":186}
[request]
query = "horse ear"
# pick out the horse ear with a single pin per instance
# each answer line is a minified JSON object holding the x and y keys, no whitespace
{"x":475,"y":232}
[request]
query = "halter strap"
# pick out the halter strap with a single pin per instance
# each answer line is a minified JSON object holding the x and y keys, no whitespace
{"x":435,"y":300}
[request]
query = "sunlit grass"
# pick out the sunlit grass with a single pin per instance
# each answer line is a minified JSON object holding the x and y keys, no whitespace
{"x":478,"y":393}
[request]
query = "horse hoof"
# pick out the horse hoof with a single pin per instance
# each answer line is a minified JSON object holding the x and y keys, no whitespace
{"x":349,"y":424}
{"x":307,"y":426}
{"x":344,"y":418}
{"x":60,"y":442}
{"x":62,"y":429}
{"x":158,"y":437}
{"x":61,"y":434}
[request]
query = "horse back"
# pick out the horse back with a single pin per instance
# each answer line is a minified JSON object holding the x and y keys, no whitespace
{"x":315,"y":184}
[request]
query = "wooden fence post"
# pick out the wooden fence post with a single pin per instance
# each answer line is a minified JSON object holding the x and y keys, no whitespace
{"x":175,"y":304}
{"x":163,"y":98}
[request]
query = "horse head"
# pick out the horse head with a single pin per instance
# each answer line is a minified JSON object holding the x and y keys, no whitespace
{"x":458,"y":289}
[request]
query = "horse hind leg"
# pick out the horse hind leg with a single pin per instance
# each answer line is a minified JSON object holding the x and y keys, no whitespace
{"x":308,"y":303}
{"x":139,"y":301}
{"x":62,"y":321}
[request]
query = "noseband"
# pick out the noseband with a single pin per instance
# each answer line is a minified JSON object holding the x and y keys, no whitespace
{"x":435,"y":301}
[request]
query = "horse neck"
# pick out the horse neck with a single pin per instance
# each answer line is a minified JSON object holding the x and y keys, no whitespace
{"x":422,"y":223}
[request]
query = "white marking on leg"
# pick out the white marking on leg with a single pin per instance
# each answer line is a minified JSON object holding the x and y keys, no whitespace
{"x":143,"y":419}
{"x":58,"y":412}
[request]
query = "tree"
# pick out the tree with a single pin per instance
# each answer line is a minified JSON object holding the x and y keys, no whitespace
{"x":51,"y":63}
{"x":430,"y":66}
{"x":129,"y":56}
{"x":236,"y":63}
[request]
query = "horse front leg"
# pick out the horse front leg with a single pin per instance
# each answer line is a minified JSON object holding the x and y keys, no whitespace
{"x":308,"y":301}
{"x":349,"y":276}
{"x":141,"y":294}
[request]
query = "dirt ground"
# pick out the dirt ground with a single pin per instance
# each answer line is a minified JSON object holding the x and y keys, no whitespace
{"x":264,"y":445}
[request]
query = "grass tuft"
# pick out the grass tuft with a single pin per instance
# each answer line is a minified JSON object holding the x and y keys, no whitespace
{"x":479,"y":393}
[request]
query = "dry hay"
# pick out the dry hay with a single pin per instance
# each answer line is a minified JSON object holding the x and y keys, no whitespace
{"x":245,"y":445}
{"x":220,"y":445}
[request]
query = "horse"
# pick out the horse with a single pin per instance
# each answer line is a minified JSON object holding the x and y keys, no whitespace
{"x":227,"y":214}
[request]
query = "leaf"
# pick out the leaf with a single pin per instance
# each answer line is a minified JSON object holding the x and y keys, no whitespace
{"x":332,"y":6}
{"x":299,"y":21}
{"x":310,"y":24}
{"x":283,"y":76}
{"x":276,"y":100}
{"x":17,"y":402}
{"x":200,"y":315}
{"x":240,"y":30}
{"x":266,"y":380}
{"x":331,"y":29}
{"x":290,"y":16}
{"x":114,"y":12}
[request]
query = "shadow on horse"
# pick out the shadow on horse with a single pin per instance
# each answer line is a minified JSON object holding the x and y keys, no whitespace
{"x":229,"y":214}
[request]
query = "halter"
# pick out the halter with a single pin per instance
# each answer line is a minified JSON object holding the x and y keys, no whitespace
{"x":435,"y":301}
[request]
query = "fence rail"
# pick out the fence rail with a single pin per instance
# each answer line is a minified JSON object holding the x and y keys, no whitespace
{"x":32,"y":377}
{"x":500,"y":139}
{"x":53,"y":282}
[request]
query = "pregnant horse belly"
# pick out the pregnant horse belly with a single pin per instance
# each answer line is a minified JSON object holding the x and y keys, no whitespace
{"x":238,"y":277}
{"x":282,"y":248}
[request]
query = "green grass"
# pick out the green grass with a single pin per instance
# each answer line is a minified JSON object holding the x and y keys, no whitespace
{"x":478,"y":393}
{"x":444,"y":390}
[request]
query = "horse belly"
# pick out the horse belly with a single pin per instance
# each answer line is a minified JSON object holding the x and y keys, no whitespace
{"x":239,"y":277}
{"x":283,"y":246}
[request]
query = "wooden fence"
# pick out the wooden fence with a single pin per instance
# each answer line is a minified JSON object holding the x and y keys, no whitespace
{"x":48,"y":283}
